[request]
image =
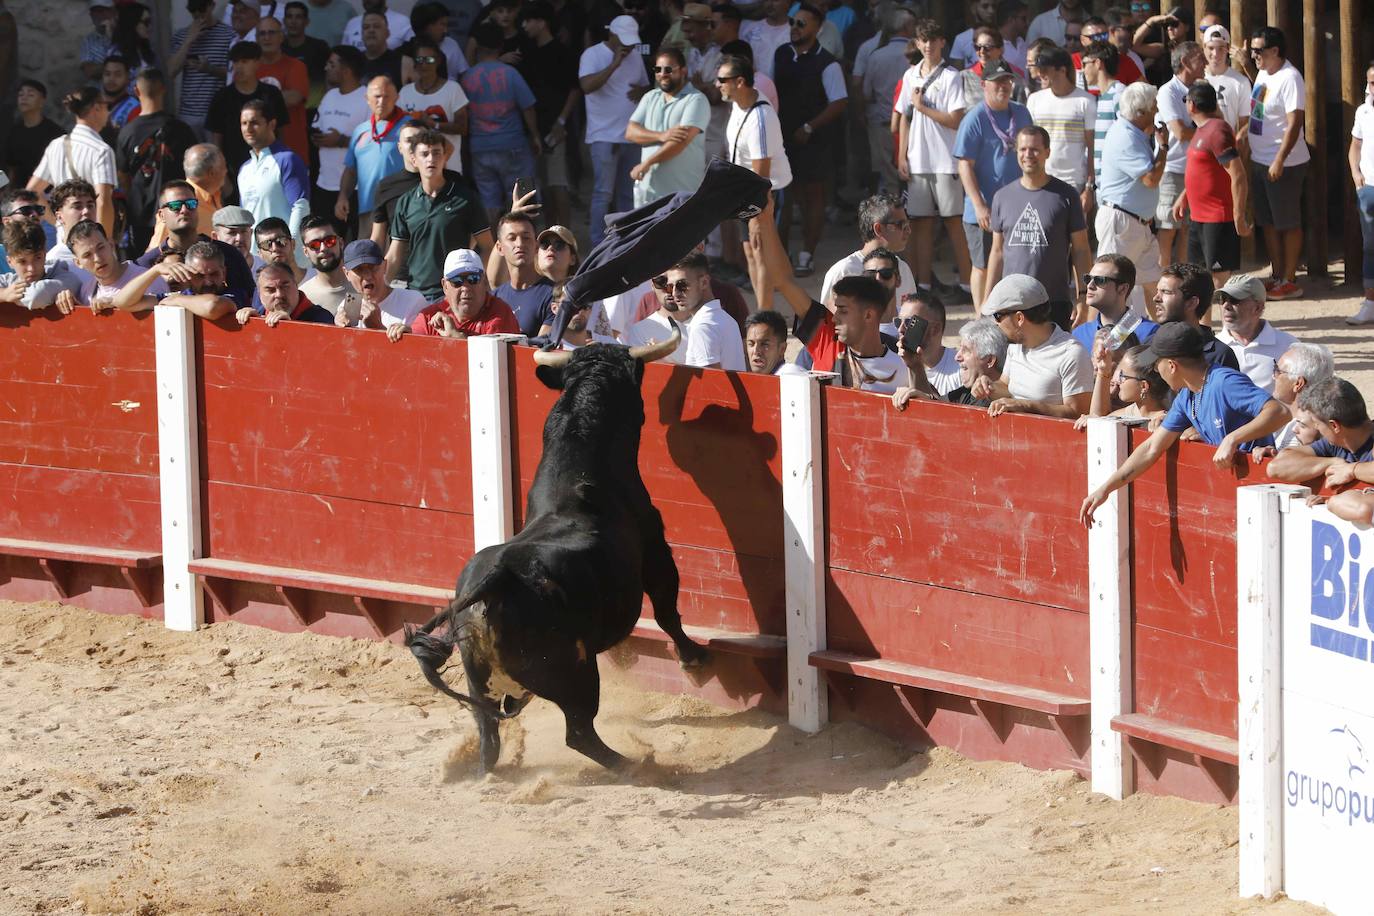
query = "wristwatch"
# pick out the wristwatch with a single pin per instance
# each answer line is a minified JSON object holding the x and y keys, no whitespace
{"x":806,"y":126}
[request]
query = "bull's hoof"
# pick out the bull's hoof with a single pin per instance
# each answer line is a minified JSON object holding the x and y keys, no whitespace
{"x":696,"y":657}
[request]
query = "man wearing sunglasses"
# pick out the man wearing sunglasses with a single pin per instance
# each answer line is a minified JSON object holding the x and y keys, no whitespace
{"x":1047,"y":372}
{"x":1278,"y":158}
{"x":177,"y":213}
{"x":21,"y":204}
{"x":468,"y":307}
{"x":329,"y":287}
{"x":669,"y":125}
{"x":273,"y":239}
{"x":713,"y":337}
{"x":1110,"y":282}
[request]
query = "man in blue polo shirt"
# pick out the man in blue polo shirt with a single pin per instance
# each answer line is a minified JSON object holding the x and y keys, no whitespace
{"x":1109,"y":288}
{"x":1128,"y":191}
{"x":373,"y":153}
{"x":1221,"y":405}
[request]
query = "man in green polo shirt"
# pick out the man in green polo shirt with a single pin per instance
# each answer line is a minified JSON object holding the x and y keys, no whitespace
{"x":669,"y":123}
{"x":436,"y":216}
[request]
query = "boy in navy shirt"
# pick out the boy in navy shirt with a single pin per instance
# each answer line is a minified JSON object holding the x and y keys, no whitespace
{"x":1221,"y":405}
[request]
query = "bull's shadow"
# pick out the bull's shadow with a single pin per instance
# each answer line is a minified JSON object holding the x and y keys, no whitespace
{"x":729,"y":461}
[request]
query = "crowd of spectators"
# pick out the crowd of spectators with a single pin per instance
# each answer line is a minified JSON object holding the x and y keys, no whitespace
{"x":1088,"y":177}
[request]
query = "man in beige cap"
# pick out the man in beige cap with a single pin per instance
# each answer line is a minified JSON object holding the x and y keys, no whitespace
{"x":1255,"y":341}
{"x":1047,"y":372}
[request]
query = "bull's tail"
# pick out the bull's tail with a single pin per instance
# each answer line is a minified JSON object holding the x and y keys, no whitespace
{"x":433,"y":651}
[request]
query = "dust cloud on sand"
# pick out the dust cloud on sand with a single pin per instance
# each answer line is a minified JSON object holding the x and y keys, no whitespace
{"x":238,"y":770}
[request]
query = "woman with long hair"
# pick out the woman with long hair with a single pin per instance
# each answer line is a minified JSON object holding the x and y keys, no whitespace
{"x":82,"y":154}
{"x":133,"y":37}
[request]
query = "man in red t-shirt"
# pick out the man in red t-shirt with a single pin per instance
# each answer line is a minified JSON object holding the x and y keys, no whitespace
{"x":289,"y":75}
{"x":1215,"y":187}
{"x":468,"y":307}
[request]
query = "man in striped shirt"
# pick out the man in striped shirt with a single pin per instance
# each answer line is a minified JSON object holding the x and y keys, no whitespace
{"x":1099,"y":73}
{"x":200,"y":53}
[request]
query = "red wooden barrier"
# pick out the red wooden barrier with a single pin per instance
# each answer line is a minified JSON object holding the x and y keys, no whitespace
{"x":338,"y":453}
{"x":1183,"y":514}
{"x":954,"y":547}
{"x":711,"y":459}
{"x":79,"y":461}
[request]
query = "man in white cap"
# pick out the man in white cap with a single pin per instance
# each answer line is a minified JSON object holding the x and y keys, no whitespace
{"x":1232,"y":86}
{"x":612,"y":76}
{"x":468,"y":308}
{"x":1256,"y":342}
{"x":1047,"y":371}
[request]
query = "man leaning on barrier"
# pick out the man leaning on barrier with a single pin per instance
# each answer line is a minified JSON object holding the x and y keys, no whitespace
{"x":1225,"y":408}
{"x":1047,"y":371}
{"x":1335,"y":409}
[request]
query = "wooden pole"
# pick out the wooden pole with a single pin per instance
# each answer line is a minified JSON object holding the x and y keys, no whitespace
{"x":1277,"y":14}
{"x":1199,"y":10}
{"x":1352,"y":96}
{"x":1314,"y":70}
{"x":1239,"y":38}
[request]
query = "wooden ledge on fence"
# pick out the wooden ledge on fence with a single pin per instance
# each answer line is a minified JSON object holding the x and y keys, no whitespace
{"x":53,"y":558}
{"x":962,"y":685}
{"x":292,"y":586}
{"x":753,"y":645}
{"x":1179,"y":737}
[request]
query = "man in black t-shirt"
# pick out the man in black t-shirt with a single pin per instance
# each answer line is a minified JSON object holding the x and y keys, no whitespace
{"x":309,"y":50}
{"x":30,"y":135}
{"x":223,"y":120}
{"x":148,"y":153}
{"x":551,"y":73}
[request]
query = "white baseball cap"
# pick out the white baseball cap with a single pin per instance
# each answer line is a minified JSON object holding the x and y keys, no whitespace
{"x":626,"y":29}
{"x":1218,"y":32}
{"x":462,"y":261}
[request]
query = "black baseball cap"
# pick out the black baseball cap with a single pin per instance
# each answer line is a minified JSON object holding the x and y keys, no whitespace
{"x":1176,"y":340}
{"x":998,"y":69}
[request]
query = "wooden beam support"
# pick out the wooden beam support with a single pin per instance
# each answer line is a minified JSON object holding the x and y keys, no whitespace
{"x":1075,"y":732}
{"x":56,"y":571}
{"x":1148,"y":755}
{"x":1222,"y":776}
{"x":1352,"y":96}
{"x":372,"y":610}
{"x":219,"y":591}
{"x":1314,"y":51}
{"x":140,"y":582}
{"x":919,"y":706}
{"x":297,"y":601}
{"x":995,"y":717}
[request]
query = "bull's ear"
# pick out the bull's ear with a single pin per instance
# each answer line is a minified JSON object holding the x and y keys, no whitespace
{"x":551,"y":376}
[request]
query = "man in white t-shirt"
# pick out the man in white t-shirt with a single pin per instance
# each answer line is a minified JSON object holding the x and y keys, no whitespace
{"x":1047,"y":372}
{"x":1189,"y":66}
{"x":753,"y":139}
{"x":768,"y":34}
{"x":1054,"y":23}
{"x":1361,"y":160}
{"x":103,"y":273}
{"x":938,"y":360}
{"x":1278,"y":158}
{"x":381,"y":306}
{"x":1069,"y":115}
{"x":612,"y":77}
{"x":931,"y":106}
{"x":341,"y":109}
{"x":1232,"y":86}
{"x":883,"y":223}
{"x":398,"y":25}
{"x":653,"y":328}
{"x":713,"y":337}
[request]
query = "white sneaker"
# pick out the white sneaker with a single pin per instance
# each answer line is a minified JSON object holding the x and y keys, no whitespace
{"x":1364,"y":316}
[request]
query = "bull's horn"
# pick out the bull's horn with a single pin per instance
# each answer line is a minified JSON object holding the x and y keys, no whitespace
{"x":653,"y":351}
{"x":552,"y":357}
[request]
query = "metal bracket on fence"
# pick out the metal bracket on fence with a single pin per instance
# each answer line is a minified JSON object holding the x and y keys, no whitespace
{"x":178,"y":466}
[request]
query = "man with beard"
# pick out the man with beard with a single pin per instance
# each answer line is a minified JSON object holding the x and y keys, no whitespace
{"x":281,"y":299}
{"x":1184,"y":294}
{"x":669,"y":124}
{"x":329,"y":288}
{"x":199,"y":277}
{"x":177,"y":213}
{"x":713,"y":338}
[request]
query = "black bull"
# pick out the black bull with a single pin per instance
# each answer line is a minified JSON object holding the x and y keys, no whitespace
{"x":531,"y":615}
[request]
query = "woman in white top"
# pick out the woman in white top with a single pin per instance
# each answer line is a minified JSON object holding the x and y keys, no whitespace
{"x":82,"y":154}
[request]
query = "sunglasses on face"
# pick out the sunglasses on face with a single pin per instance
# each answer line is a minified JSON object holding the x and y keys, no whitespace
{"x":986,"y":47}
{"x":725,"y":79}
{"x":427,"y":59}
{"x":176,"y":205}
{"x":1129,"y":378}
{"x":797,"y":23}
{"x":680,"y":286}
{"x":881,"y":273}
{"x":1097,"y":36}
{"x":1256,"y":52}
{"x":555,"y":245}
{"x":26,"y":210}
{"x":664,"y":69}
{"x":1002,"y":316}
{"x":468,"y":278}
{"x":1099,"y":280}
{"x":276,"y":241}
{"x":329,"y":241}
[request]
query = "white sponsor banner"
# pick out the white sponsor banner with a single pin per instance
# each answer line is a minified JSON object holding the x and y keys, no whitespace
{"x":1327,"y":701}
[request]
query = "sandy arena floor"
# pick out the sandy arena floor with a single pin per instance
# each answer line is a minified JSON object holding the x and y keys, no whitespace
{"x":238,"y":770}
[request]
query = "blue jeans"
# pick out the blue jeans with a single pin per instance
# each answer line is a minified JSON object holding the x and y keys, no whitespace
{"x":496,"y":171}
{"x":612,"y":188}
{"x":1365,"y":197}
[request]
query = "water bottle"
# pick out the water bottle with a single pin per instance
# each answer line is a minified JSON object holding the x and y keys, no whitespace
{"x":1123,"y":329}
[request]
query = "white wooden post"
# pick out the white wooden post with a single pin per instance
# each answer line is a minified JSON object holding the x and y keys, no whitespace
{"x":493,"y":511}
{"x":803,"y":487}
{"x":1109,"y":613}
{"x":178,"y":444}
{"x":1259,"y":635}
